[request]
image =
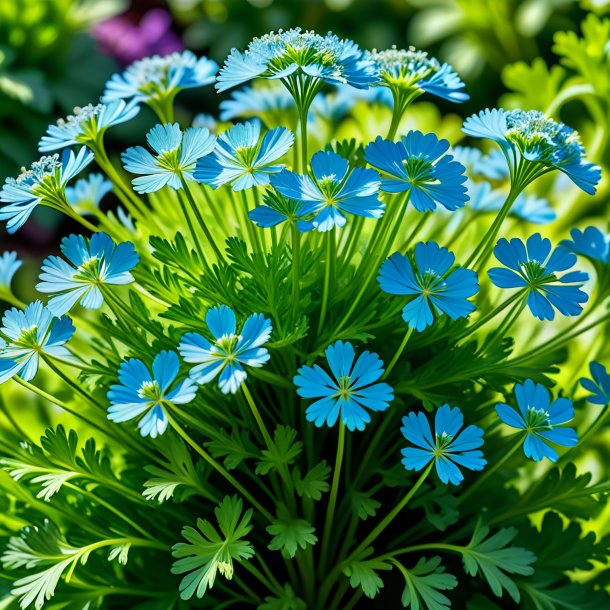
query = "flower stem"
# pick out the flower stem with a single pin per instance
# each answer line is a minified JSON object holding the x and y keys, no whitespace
{"x":296,"y":272}
{"x":398,"y":353}
{"x":200,"y":220}
{"x":328,"y":268}
{"x":592,"y":429}
{"x":257,"y":416}
{"x":191,"y":228}
{"x":214,"y":464}
{"x":332,"y":501}
{"x":480,"y":480}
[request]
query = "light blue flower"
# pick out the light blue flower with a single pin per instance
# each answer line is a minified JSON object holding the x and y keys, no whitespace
{"x":598,"y":385}
{"x":291,"y":54}
{"x":409,"y":71}
{"x":534,"y":145}
{"x":433,"y":287}
{"x":590,"y":243}
{"x":332,"y":192}
{"x":155,"y":79}
{"x":417,"y":164}
{"x":526,"y":207}
{"x":86,"y":194}
{"x":257,"y":102}
{"x":242,"y":159}
{"x":175,"y":159}
{"x":140,"y":393}
{"x":492,"y":166}
{"x":87,"y":125}
{"x":350,"y":393}
{"x":229,"y":352}
{"x":533,"y":268}
{"x":9,"y":265}
{"x":26,"y":335}
{"x":540,"y":419}
{"x":91,"y":265}
{"x":44,"y":183}
{"x":449,"y":448}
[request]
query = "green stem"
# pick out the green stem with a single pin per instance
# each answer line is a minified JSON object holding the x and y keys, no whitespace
{"x":328,"y":267}
{"x":201,"y":220}
{"x":490,"y":471}
{"x":398,"y":353}
{"x":257,"y":416}
{"x":332,"y":501}
{"x":296,"y":272}
{"x":222,"y":471}
{"x":303,"y":135}
{"x":593,"y":428}
{"x":191,"y":228}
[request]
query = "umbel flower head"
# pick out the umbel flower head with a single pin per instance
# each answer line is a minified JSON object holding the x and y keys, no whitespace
{"x":44,"y":183}
{"x":27,"y":334}
{"x":292,"y":54}
{"x":87,"y":125}
{"x":412,"y":72}
{"x":598,"y":385}
{"x":175,"y":158}
{"x":434,"y":289}
{"x":448,"y":448}
{"x":86,"y":194}
{"x":242,"y":159}
{"x":350,"y":393}
{"x":533,"y":268}
{"x":91,"y":265}
{"x":140,"y":393}
{"x":229,"y":352}
{"x":418,"y":165}
{"x":540,"y":419}
{"x":156,"y":79}
{"x":332,"y":191}
{"x":534,"y":145}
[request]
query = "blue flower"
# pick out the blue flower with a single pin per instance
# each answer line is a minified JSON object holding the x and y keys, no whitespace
{"x":229,"y":352}
{"x":526,"y":207}
{"x":44,"y":183}
{"x":590,"y":243}
{"x":332,"y":192}
{"x":275,"y":209}
{"x":156,"y":78}
{"x":175,"y":159}
{"x":417,"y":164}
{"x":296,"y":54}
{"x":540,"y":419}
{"x":243,"y":161}
{"x":448,"y":448}
{"x":492,"y":166}
{"x":30,"y":333}
{"x":93,"y":264}
{"x":86,"y":194}
{"x":533,"y":268}
{"x":426,"y":276}
{"x":598,"y":385}
{"x":351,"y":394}
{"x":87,"y":125}
{"x":140,"y":393}
{"x":534,"y":145}
{"x":9,"y":264}
{"x":412,"y":71}
{"x":257,"y":102}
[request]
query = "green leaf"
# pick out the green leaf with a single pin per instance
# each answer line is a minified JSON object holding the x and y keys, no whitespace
{"x":423,"y":584}
{"x":210,"y":551}
{"x":284,"y":450}
{"x":287,"y":601}
{"x":234,"y":448}
{"x":363,"y":573}
{"x":493,"y":559}
{"x":313,"y":484}
{"x":364,"y":505}
{"x":289,"y":534}
{"x":535,"y":86}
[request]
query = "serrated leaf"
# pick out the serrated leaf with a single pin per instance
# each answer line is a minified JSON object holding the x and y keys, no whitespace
{"x":209,"y":551}
{"x":363,"y":573}
{"x":234,"y":448}
{"x":290,"y":534}
{"x":287,"y":601}
{"x":424,"y":583}
{"x":283,"y":451}
{"x":364,"y":505}
{"x":492,"y":559}
{"x":313,"y":484}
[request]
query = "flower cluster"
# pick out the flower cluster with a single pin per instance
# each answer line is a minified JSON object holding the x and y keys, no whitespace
{"x":279,"y":356}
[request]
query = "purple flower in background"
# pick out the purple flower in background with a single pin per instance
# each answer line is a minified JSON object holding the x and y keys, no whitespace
{"x":126,"y":41}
